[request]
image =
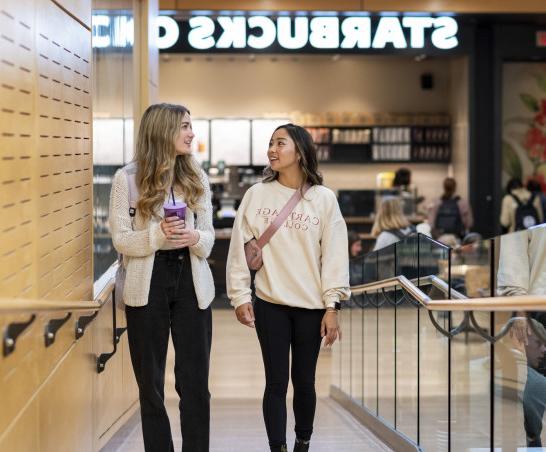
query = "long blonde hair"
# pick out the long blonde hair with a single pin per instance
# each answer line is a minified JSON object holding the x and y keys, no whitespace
{"x":390,"y":216}
{"x":159,"y":166}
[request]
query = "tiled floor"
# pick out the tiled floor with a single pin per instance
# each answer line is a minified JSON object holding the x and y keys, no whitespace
{"x":236,"y":385}
{"x":237,"y":426}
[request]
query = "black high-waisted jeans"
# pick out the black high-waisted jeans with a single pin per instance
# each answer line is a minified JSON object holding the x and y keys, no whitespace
{"x":172,"y":307}
{"x":281,"y":328}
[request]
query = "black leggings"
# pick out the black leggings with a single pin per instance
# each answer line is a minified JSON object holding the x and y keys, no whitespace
{"x":280,"y":328}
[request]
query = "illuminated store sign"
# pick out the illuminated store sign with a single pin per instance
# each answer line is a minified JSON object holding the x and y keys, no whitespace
{"x":286,"y":33}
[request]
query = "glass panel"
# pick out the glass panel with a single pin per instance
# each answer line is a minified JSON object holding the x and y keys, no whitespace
{"x":386,"y":352}
{"x":370,"y":358}
{"x":470,"y":353}
{"x":356,"y":352}
{"x":520,"y":367}
{"x":200,"y":145}
{"x":433,"y":352}
{"x":230,"y":141}
{"x":344,"y":348}
{"x":112,"y":116}
{"x":407,"y":332}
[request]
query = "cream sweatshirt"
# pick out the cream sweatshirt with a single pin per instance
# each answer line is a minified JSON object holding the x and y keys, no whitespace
{"x":306,"y":262}
{"x":139,"y":241}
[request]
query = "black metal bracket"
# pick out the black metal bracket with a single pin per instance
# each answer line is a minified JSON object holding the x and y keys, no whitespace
{"x":119,"y":333}
{"x":410,"y":299}
{"x":103,"y":358}
{"x":368,"y":301}
{"x":463,"y":326}
{"x":405,"y":297}
{"x":377,"y":303}
{"x":12,"y":332}
{"x":52,"y":327}
{"x":482,"y":332}
{"x":389,"y":299}
{"x":82,"y":322}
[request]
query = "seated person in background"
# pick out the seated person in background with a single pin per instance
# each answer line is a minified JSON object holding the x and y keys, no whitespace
{"x":355,"y":244}
{"x":450,"y":214}
{"x":408,"y":193}
{"x":355,"y":265}
{"x":390,"y":224}
{"x":520,"y":209}
{"x":402,"y":180}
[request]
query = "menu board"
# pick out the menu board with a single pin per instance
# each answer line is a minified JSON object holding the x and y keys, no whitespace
{"x":108,"y":141}
{"x":230,"y":141}
{"x":262,"y":129}
{"x":200,"y":145}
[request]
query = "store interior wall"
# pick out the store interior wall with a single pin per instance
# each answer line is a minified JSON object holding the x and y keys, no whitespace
{"x":459,"y":123}
{"x":273,"y":85}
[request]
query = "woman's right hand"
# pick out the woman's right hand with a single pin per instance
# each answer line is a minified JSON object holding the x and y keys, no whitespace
{"x":245,"y":314}
{"x":171,"y":226}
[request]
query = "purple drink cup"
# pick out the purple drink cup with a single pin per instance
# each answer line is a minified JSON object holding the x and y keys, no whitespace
{"x":175,"y":210}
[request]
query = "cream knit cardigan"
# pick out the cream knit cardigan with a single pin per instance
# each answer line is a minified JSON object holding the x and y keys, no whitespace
{"x":138,"y":246}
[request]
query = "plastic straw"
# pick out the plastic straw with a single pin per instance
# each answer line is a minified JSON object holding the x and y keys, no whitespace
{"x":172,"y":194}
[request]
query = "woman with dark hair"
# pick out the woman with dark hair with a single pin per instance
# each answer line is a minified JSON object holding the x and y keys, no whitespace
{"x":304,"y":276}
{"x":168,"y":285}
{"x":450,"y":214}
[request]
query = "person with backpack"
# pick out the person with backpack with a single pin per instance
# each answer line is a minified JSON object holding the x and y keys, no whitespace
{"x":290,"y":229}
{"x":390,"y":225}
{"x":450,"y":214}
{"x":168,"y":284}
{"x":520,"y":208}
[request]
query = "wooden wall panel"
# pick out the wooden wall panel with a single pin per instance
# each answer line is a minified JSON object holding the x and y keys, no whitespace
{"x":17,"y":221}
{"x":45,"y":202}
{"x":64,"y":163}
{"x":45,"y":151}
{"x":46,"y":232}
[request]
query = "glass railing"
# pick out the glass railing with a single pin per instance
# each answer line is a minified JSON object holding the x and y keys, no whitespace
{"x":470,"y":377}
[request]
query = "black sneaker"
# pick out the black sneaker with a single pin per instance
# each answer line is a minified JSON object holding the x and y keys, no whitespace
{"x":283,"y":448}
{"x":301,"y":446}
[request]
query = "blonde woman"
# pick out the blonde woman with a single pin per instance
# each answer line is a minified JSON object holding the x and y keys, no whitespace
{"x":168,"y":286}
{"x":390,"y":225}
{"x":305,"y":275}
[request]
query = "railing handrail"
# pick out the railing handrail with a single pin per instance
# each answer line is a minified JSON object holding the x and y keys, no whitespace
{"x":502,"y":303}
{"x":31,"y":305}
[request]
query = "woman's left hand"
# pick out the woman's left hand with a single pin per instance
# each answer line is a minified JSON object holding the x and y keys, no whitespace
{"x":329,"y":328}
{"x":186,"y":237}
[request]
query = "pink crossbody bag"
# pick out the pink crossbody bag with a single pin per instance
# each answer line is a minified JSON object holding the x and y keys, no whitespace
{"x":253,"y":248}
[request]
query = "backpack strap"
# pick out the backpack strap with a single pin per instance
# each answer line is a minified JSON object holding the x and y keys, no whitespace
{"x":282,"y":216}
{"x":531,"y":200}
{"x":518,"y":201}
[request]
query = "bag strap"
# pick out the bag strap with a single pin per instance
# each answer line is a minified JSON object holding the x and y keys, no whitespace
{"x":518,"y":201}
{"x":531,"y":200}
{"x":130,"y":172}
{"x":281,"y":217}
